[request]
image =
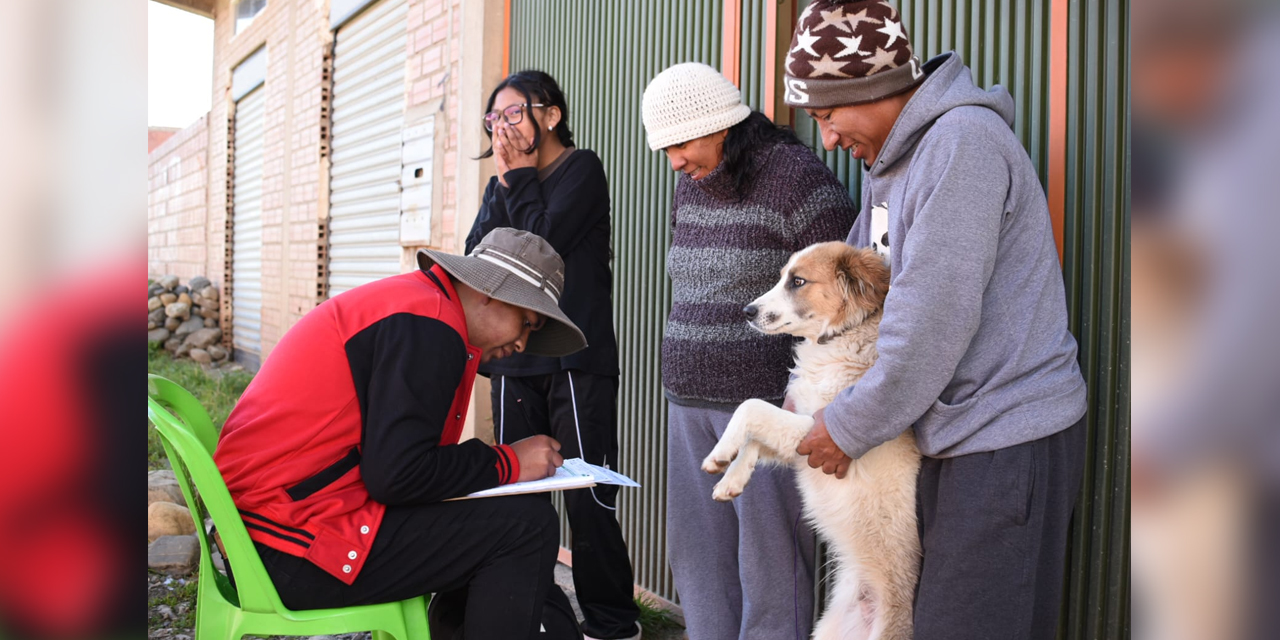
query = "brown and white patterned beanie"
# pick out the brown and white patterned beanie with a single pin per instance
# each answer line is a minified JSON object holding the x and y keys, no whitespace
{"x":848,"y":52}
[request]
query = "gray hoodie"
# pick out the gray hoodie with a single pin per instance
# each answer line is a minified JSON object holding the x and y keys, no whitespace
{"x":974,"y":350}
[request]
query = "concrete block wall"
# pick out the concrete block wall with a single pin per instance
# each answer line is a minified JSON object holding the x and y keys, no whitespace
{"x":178,"y":184}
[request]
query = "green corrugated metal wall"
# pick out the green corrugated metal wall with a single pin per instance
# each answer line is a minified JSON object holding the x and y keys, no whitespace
{"x":1096,"y":266}
{"x":615,"y":51}
{"x":603,"y":55}
{"x":751,"y":58}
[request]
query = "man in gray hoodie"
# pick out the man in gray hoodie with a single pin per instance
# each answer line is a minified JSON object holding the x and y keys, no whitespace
{"x":974,"y":348}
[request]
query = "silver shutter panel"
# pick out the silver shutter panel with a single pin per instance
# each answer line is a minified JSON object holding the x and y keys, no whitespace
{"x":246,"y":239}
{"x":368,"y":114}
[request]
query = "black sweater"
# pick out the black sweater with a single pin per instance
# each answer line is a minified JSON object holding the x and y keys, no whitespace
{"x":568,"y":204}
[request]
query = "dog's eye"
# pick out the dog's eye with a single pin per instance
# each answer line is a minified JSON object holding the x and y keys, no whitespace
{"x":796,"y":283}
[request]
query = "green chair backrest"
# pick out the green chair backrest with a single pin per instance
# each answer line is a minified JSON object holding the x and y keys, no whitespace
{"x":224,"y":612}
{"x":186,"y":407}
{"x":189,"y":439}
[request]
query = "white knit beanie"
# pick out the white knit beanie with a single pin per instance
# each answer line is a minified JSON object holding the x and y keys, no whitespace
{"x":687,"y":101}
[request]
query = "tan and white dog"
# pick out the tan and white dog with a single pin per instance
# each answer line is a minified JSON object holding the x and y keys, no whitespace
{"x":832,"y":295}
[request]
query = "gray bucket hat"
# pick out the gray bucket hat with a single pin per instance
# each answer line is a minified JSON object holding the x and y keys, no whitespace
{"x":519,"y":268}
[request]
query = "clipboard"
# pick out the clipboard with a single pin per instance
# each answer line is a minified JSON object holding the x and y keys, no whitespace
{"x":576,"y":473}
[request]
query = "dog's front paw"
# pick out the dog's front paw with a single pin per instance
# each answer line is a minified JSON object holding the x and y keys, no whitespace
{"x":727,"y":489}
{"x":721,"y":455}
{"x":716,"y":461}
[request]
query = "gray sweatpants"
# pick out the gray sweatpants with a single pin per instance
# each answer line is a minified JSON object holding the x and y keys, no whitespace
{"x":743,"y":569}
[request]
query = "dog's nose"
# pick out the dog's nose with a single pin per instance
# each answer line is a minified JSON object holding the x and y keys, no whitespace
{"x":750,"y":311}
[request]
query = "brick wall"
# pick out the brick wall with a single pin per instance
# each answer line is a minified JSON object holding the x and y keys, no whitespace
{"x":295,"y":164}
{"x":439,"y":31}
{"x":297,"y":37}
{"x":157,"y":135}
{"x":432,"y":82}
{"x":178,"y":180}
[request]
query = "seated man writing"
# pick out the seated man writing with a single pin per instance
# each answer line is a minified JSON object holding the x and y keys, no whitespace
{"x":344,"y":447}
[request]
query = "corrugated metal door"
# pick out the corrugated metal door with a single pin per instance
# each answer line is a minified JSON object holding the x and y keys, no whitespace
{"x":246,"y":227}
{"x":603,"y":69}
{"x":368,"y":114}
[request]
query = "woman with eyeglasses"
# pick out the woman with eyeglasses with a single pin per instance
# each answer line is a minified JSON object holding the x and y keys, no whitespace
{"x":545,"y":185}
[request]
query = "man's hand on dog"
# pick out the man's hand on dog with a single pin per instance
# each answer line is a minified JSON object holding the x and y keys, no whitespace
{"x":539,"y":457}
{"x":822,"y":450}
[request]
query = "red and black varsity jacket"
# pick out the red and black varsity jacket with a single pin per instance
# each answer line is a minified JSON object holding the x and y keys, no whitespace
{"x":358,"y":407}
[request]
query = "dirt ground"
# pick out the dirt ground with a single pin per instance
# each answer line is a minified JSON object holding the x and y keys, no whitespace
{"x":171,"y":609}
{"x":564,"y":578}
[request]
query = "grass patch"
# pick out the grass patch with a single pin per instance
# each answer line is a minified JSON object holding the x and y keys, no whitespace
{"x":653,"y":618}
{"x":216,"y":389}
{"x":179,"y":596}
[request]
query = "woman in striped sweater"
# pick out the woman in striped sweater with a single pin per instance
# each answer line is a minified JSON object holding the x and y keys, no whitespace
{"x":751,"y":195}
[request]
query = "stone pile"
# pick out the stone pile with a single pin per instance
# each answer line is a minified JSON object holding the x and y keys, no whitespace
{"x":183,"y":318}
{"x":172,"y":544}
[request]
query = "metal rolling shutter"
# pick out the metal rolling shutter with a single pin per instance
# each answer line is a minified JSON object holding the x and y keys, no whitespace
{"x":368,"y":114}
{"x":246,"y":226}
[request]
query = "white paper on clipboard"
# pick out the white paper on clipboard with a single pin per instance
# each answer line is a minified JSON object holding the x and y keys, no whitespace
{"x":575,"y":474}
{"x":600,"y":474}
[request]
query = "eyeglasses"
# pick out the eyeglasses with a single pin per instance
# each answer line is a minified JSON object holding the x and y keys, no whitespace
{"x":513,"y":114}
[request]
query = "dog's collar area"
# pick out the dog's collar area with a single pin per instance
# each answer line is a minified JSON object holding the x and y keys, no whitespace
{"x":828,"y":337}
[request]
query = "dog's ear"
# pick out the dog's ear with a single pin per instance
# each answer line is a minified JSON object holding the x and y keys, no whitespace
{"x":864,"y":277}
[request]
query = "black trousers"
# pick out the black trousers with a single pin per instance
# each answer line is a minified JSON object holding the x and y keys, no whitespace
{"x":994,"y":529}
{"x":580,"y":411}
{"x":500,"y":551}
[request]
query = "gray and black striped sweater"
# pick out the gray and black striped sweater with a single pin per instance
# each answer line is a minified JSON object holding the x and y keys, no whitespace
{"x":726,"y":252}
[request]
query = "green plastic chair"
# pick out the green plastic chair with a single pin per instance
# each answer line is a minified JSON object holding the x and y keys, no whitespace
{"x":252,"y":606}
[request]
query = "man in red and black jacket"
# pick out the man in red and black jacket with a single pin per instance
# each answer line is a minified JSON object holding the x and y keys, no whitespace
{"x":343,"y":450}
